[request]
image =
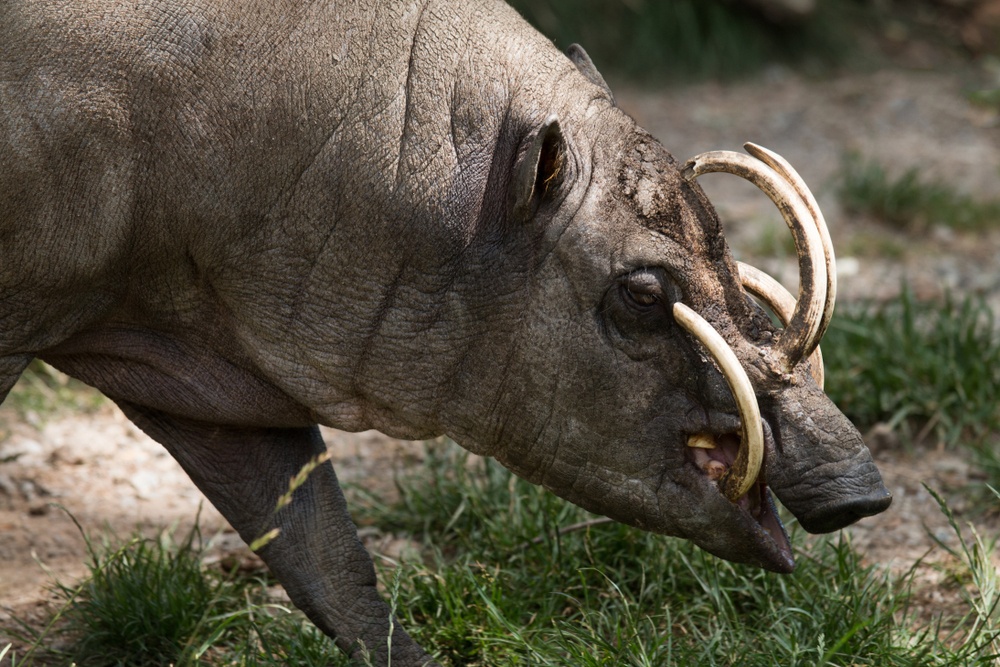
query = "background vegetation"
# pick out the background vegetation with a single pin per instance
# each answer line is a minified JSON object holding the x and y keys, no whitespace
{"x":909,"y":201}
{"x":656,"y":41}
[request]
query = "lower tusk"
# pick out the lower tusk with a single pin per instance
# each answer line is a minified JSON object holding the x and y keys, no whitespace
{"x":746,"y":469}
{"x":782,"y":303}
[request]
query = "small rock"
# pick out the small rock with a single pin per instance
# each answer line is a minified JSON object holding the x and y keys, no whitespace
{"x":145,"y":483}
{"x":943,"y":233}
{"x":40,"y":509}
{"x":25,"y":448}
{"x":847,"y":267}
{"x":66,"y":455}
{"x":29,"y":490}
{"x":7,"y":485}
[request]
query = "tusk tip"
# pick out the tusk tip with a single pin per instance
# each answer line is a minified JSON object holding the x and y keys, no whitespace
{"x":755,"y":150}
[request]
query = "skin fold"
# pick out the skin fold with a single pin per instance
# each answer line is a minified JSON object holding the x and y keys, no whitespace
{"x":239,"y":220}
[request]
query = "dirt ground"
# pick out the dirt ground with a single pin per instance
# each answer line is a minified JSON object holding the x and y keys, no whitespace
{"x":107,"y":473}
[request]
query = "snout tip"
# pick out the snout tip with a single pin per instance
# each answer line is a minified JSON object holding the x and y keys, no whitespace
{"x":843,"y":513}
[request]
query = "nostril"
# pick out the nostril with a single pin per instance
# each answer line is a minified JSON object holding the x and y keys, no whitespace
{"x":840,"y":514}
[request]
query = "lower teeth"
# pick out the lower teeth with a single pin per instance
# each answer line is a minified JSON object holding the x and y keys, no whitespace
{"x":715,"y":470}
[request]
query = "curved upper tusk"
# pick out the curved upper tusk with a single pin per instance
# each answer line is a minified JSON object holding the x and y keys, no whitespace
{"x":782,"y":303}
{"x":800,"y":335}
{"x":782,"y":166}
{"x":745,"y":470}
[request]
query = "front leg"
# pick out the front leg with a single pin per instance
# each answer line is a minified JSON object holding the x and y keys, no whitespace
{"x":317,"y":555}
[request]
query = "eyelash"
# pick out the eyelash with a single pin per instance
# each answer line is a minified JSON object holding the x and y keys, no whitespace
{"x":642,"y":299}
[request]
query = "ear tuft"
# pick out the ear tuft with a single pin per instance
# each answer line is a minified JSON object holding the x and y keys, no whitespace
{"x":586,"y":66}
{"x":540,"y":168}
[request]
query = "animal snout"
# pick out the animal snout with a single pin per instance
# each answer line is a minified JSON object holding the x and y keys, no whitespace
{"x":843,"y":512}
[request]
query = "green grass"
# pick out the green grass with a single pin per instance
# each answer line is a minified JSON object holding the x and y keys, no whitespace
{"x":510,"y":575}
{"x":502,"y":583}
{"x":772,"y":242}
{"x":654,"y":41}
{"x":141,"y":606}
{"x":925,"y":367}
{"x":153,"y":602}
{"x":910,"y":201}
{"x":986,"y":98}
{"x":874,"y":244}
{"x":935,"y":363}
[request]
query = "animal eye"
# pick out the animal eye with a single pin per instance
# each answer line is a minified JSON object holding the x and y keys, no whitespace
{"x":642,"y":290}
{"x":642,"y":298}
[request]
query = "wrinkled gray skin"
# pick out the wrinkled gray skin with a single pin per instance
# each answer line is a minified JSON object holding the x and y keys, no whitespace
{"x":240,"y":219}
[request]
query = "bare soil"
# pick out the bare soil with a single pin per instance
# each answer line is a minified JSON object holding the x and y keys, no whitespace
{"x":106,"y":473}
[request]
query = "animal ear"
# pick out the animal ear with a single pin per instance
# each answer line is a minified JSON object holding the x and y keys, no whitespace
{"x":586,"y":66}
{"x":539,"y":169}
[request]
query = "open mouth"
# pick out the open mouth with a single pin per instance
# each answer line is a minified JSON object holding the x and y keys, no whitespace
{"x":715,"y":456}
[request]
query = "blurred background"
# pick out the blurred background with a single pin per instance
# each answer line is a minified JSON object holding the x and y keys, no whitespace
{"x":664,"y":42}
